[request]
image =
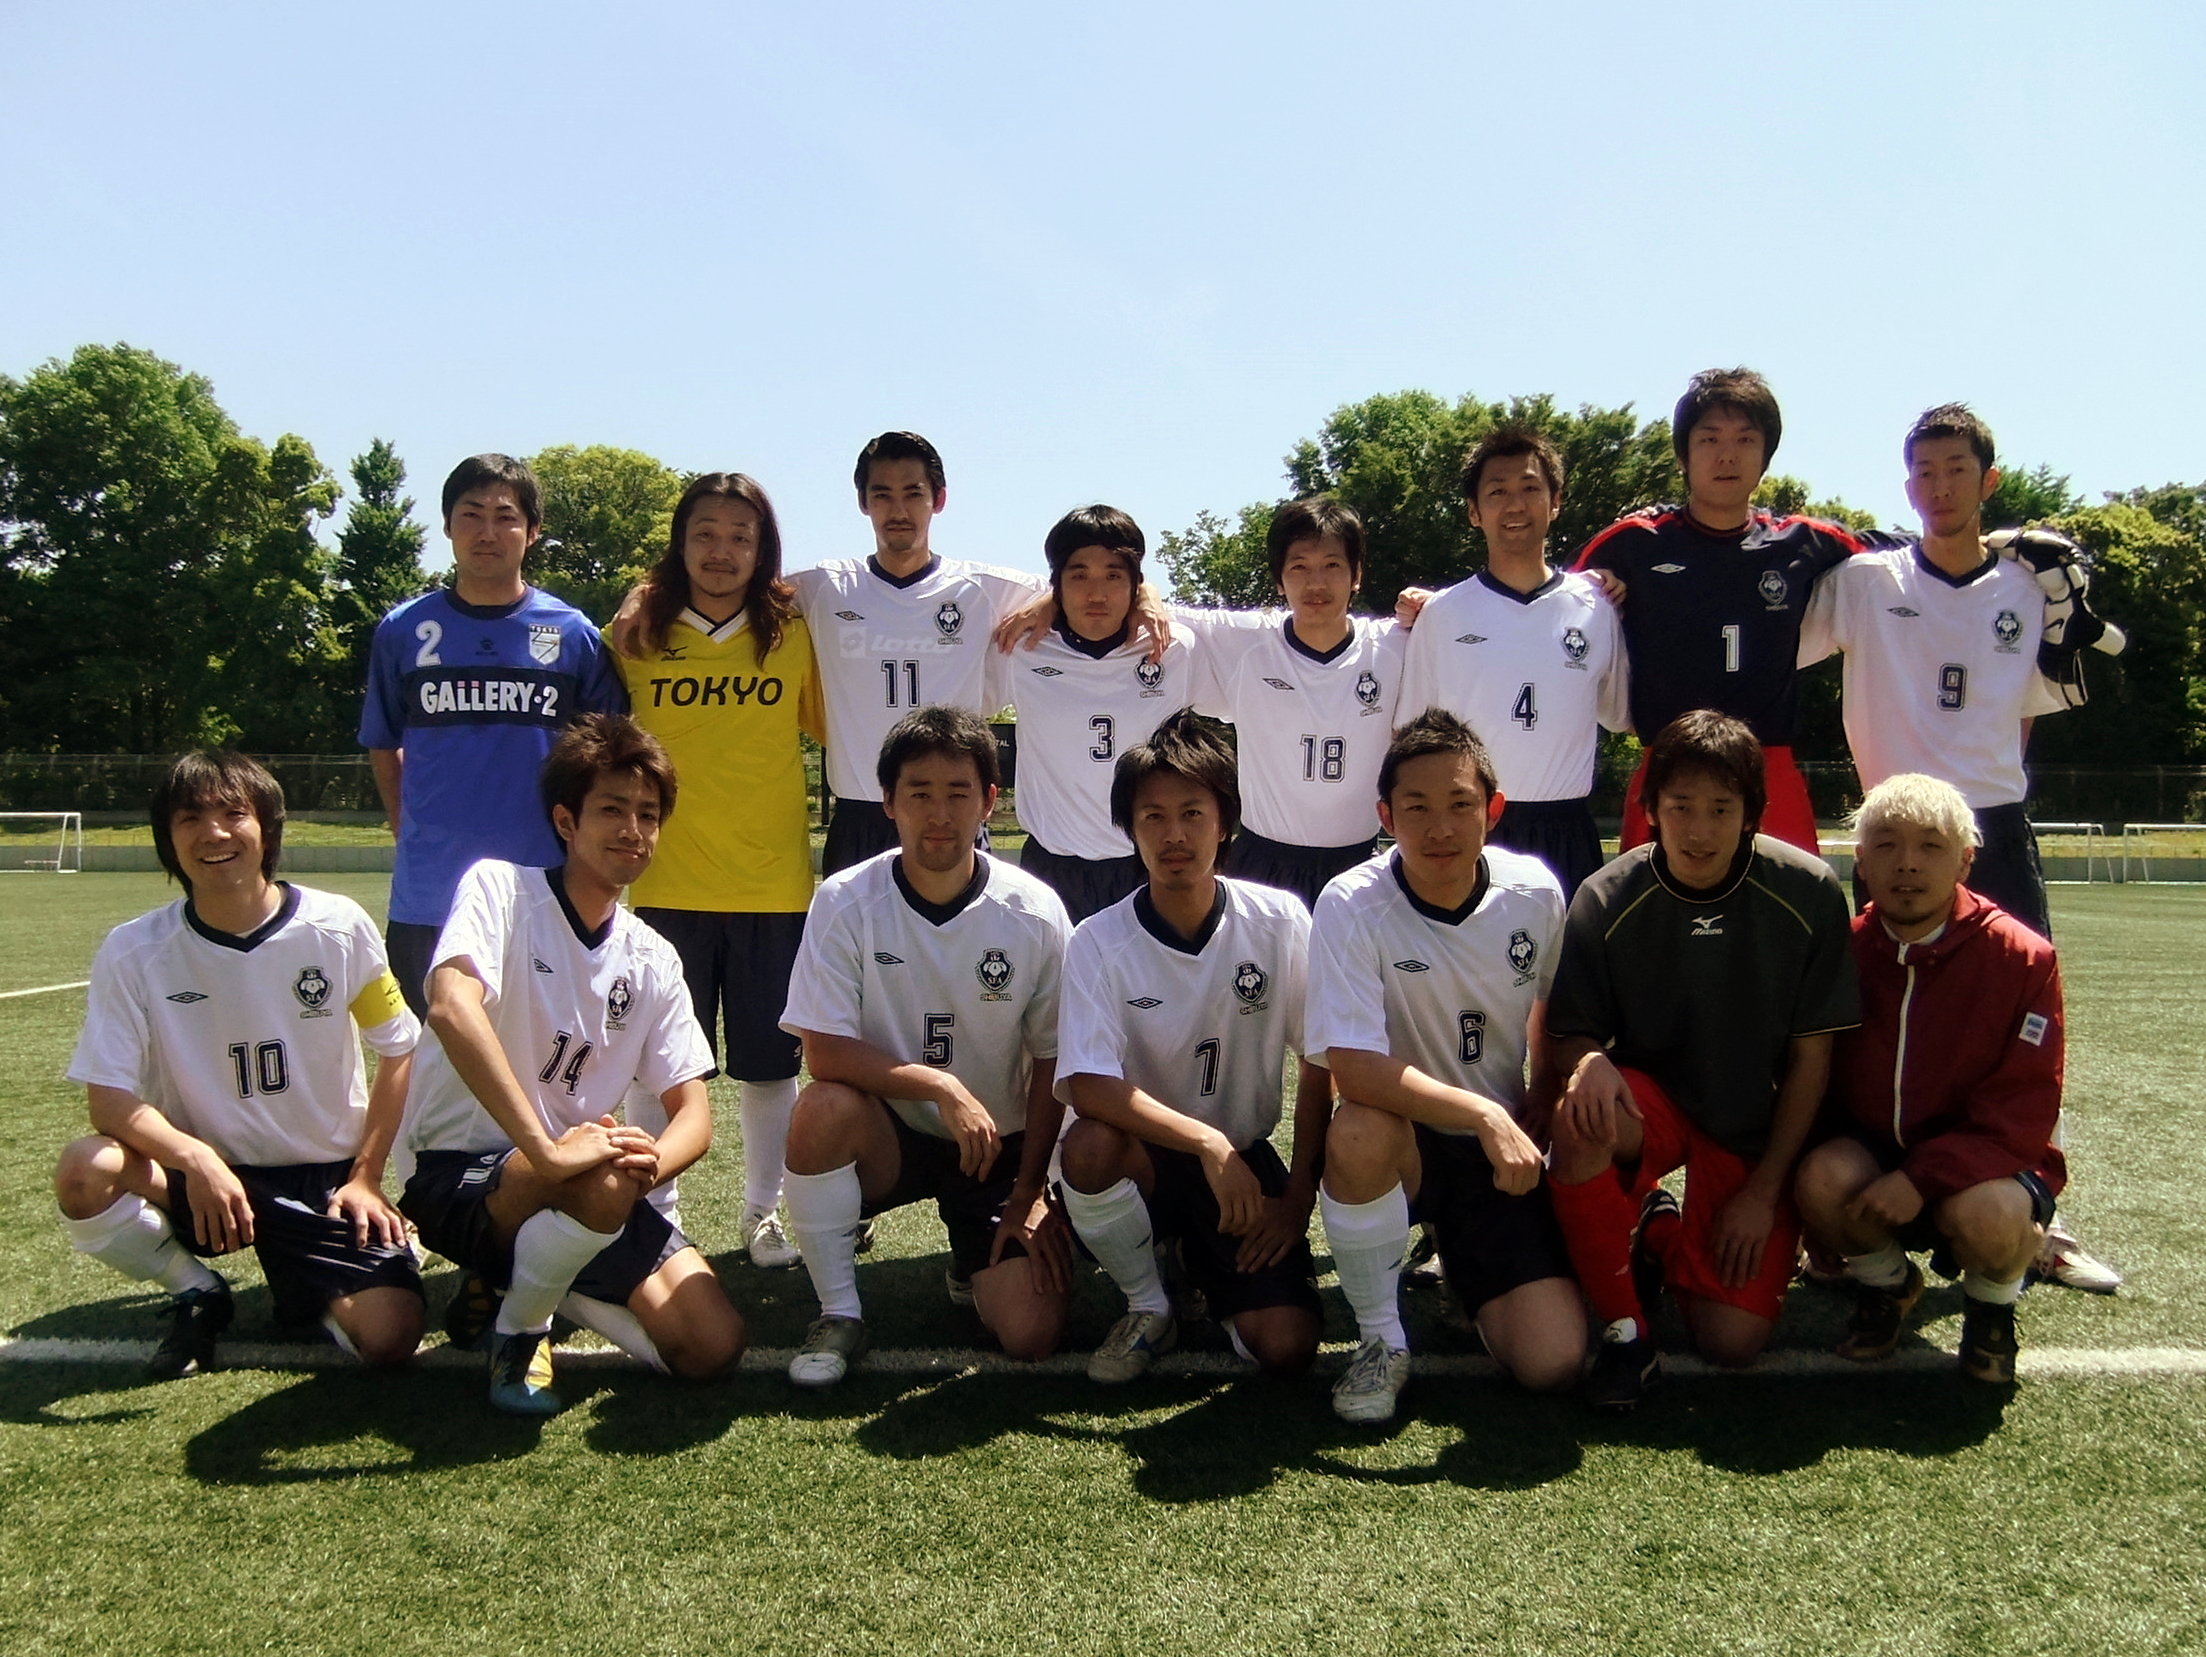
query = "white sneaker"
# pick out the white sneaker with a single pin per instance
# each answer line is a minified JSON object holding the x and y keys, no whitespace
{"x":831,"y":1346}
{"x":959,"y":1289}
{"x":1136,"y":1341}
{"x":766,"y":1243}
{"x":2062,"y":1259}
{"x":1367,"y":1392}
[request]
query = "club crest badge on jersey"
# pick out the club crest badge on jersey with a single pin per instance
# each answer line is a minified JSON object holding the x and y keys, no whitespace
{"x":620,"y":1000}
{"x":543,"y":644}
{"x":2007,"y":629}
{"x":949,"y":618}
{"x":1523,"y":954}
{"x":1367,"y":690}
{"x":1575,"y":646}
{"x":1249,"y":983}
{"x":313,"y":989}
{"x":1151,"y":675}
{"x":994,"y":973}
{"x":1774,"y":589}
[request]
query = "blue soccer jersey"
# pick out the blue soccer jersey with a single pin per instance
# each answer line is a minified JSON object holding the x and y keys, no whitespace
{"x":475,"y":696}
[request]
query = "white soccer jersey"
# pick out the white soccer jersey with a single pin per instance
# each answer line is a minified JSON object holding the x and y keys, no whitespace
{"x":969,"y":986}
{"x":581,"y":1018}
{"x":1448,"y":994}
{"x":1534,"y":674}
{"x":887,"y":646}
{"x":1311,"y":730}
{"x":1202,"y":1028}
{"x":1940,"y":672}
{"x":251,"y":1044}
{"x":1077,"y":713}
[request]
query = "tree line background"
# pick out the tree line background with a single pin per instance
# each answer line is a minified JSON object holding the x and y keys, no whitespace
{"x":162,"y":584}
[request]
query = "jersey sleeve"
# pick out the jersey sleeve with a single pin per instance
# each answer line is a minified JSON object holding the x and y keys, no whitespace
{"x":1007,"y":590}
{"x":599,"y":688}
{"x":382,"y":713}
{"x":1551,"y":946}
{"x":479,"y":926}
{"x":1420,"y":683}
{"x":2042,"y":697}
{"x":998,"y":675}
{"x":827,"y":985}
{"x":112,"y":1047}
{"x":1823,"y":629}
{"x":1221,"y":638}
{"x":1298,"y":977}
{"x":1041,"y":1025}
{"x":1345,"y":995}
{"x":1614,"y":705}
{"x":378,"y":1008}
{"x":1091,"y":1038}
{"x":1830,"y":989}
{"x":1581,"y":1000}
{"x":2011,"y":1115}
{"x":676,"y":1051}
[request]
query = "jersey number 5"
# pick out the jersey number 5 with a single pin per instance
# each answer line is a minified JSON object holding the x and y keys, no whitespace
{"x":939,"y":1045}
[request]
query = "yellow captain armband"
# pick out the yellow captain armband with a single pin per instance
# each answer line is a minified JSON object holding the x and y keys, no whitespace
{"x":379,"y":1003}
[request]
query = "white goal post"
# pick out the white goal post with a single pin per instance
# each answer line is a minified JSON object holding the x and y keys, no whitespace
{"x":41,"y":842}
{"x":2138,"y":840}
{"x":2096,"y":855}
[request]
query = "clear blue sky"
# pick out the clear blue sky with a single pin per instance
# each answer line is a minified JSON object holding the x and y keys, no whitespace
{"x":1127,"y":253}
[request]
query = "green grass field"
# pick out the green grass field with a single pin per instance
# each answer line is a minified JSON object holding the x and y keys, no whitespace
{"x":310,"y":1508}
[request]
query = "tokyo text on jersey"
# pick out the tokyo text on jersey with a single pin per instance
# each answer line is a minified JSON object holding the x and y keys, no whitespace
{"x":251,"y":1043}
{"x":1201,"y":1025}
{"x":1311,"y":727}
{"x":1079,"y":709}
{"x":1534,"y":674}
{"x":969,"y":986}
{"x":1450,"y":992}
{"x":580,"y":1014}
{"x":1940,"y":670}
{"x":889,"y":644}
{"x":740,"y":844}
{"x":475,"y":696}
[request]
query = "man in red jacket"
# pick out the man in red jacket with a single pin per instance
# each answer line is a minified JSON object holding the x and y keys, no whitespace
{"x":1948,"y":1095}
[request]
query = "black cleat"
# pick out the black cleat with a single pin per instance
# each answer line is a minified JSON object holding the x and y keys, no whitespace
{"x":1646,"y":1269}
{"x":474,"y":1309}
{"x":1623,"y":1371}
{"x":1988,"y":1343}
{"x":1880,"y":1315}
{"x":195,"y":1317}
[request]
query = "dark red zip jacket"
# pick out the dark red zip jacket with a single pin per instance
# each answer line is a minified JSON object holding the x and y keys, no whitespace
{"x":1955,"y":1071}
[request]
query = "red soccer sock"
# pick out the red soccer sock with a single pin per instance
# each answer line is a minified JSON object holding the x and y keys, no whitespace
{"x":1597,"y":1220}
{"x":1659,"y":1236}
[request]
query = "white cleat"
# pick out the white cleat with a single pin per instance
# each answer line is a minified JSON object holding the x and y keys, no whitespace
{"x":1366,"y":1394}
{"x":765,"y":1242}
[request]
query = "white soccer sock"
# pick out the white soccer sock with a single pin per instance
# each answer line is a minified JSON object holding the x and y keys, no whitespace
{"x":1884,"y":1268}
{"x":133,"y":1237}
{"x":1115,"y":1226}
{"x":617,"y":1324}
{"x":548,"y":1250}
{"x":1989,"y":1290}
{"x":337,"y":1333}
{"x":1369,"y":1242}
{"x":824,"y":1211}
{"x":764,"y":1109}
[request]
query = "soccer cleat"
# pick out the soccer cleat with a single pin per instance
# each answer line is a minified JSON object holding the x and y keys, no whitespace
{"x":1646,"y":1268}
{"x":521,"y":1375}
{"x":1366,"y":1394}
{"x":195,"y":1317}
{"x":765,"y":1242}
{"x":473,"y":1312}
{"x":2062,"y":1260}
{"x":1136,"y":1341}
{"x":831,"y":1346}
{"x":1624,"y":1368}
{"x":1421,"y":1267}
{"x":864,"y":1241}
{"x":1873,"y":1332}
{"x":959,"y":1289}
{"x":1988,"y":1343}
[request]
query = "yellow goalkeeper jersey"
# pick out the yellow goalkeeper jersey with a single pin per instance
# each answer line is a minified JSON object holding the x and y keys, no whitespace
{"x":739,"y":840}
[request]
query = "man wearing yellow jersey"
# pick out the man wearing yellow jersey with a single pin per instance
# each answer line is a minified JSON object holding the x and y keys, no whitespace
{"x":724,"y":678}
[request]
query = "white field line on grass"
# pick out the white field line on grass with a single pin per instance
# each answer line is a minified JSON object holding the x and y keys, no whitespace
{"x":2036,"y":1363}
{"x":44,"y":989}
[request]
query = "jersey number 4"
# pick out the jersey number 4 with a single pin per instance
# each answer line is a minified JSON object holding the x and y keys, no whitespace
{"x":1526,"y":709}
{"x":572,"y":1074}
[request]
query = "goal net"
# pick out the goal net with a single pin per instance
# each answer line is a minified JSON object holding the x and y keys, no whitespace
{"x":41,"y":842}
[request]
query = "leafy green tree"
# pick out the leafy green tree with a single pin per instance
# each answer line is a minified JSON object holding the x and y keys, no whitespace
{"x":1789,"y":496}
{"x":607,"y":515}
{"x":378,"y":554}
{"x":163,"y":583}
{"x":2034,"y":496}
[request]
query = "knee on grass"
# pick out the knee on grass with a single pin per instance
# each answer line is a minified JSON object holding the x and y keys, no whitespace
{"x":1726,"y":1336}
{"x":1282,"y":1339}
{"x":384,"y":1326}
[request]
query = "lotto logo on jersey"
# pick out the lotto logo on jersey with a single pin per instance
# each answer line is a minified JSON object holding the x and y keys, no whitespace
{"x":543,"y":644}
{"x":1524,"y":954}
{"x":949,"y":618}
{"x":1151,"y":675}
{"x":1774,"y":589}
{"x":618,"y":1002}
{"x":2007,"y":629}
{"x":313,"y":988}
{"x":1249,"y":983}
{"x":1574,"y":646}
{"x":994,"y":973}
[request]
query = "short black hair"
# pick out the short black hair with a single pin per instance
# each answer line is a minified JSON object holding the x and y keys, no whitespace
{"x":1710,"y":742}
{"x":482,"y":471}
{"x":1435,"y":731}
{"x":1505,"y":442}
{"x":900,"y":446}
{"x":217,"y":776}
{"x":1951,"y":420}
{"x":1186,"y":745}
{"x":1313,"y":518}
{"x":1093,"y":526}
{"x":940,"y":729}
{"x":594,"y":745}
{"x":1739,"y":391}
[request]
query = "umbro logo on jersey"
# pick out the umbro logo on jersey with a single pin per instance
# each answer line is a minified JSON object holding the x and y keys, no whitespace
{"x":312,"y":987}
{"x":1048,"y":672}
{"x":540,"y":967}
{"x":848,"y":615}
{"x":995,"y":974}
{"x":1278,"y":684}
{"x":882,"y":957}
{"x":1773,"y":588}
{"x":1413,"y":966}
{"x":187,"y":997}
{"x":1669,"y":569}
{"x":1145,"y":1002}
{"x":1470,"y":638}
{"x":1367,"y":688}
{"x":619,"y":1001}
{"x":543,"y":643}
{"x":949,"y":618}
{"x":1707,"y":926}
{"x":2007,"y":629}
{"x":1903,"y":610}
{"x":1151,"y":675}
{"x":1249,"y":982}
{"x":1523,"y":953}
{"x":1574,"y":643}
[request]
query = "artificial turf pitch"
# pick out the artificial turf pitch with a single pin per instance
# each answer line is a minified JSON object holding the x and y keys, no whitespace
{"x":316,"y":1508}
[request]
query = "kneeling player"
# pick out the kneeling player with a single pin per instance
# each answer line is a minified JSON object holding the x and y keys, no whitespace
{"x":221,"y":1055}
{"x":1949,"y":1092}
{"x":1701,"y":980}
{"x":1429,"y":971}
{"x":1181,"y":1002}
{"x":548,"y":1001}
{"x":926,"y":998}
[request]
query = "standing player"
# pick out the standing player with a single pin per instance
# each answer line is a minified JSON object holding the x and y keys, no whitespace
{"x":467,"y":688}
{"x":1429,"y":972}
{"x":724,"y":678}
{"x":1702,"y":977}
{"x":221,"y":1057}
{"x":926,"y":998}
{"x":1717,"y":588}
{"x":1181,"y":1003}
{"x":1949,"y":1092}
{"x":1089,"y":691}
{"x":1530,"y":657}
{"x":549,"y":1001}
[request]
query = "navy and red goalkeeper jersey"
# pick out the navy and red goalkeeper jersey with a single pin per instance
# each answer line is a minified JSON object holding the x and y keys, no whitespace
{"x":1712,"y":618}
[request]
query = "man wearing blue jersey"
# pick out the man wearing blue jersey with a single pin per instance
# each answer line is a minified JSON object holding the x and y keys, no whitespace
{"x":468,"y":686}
